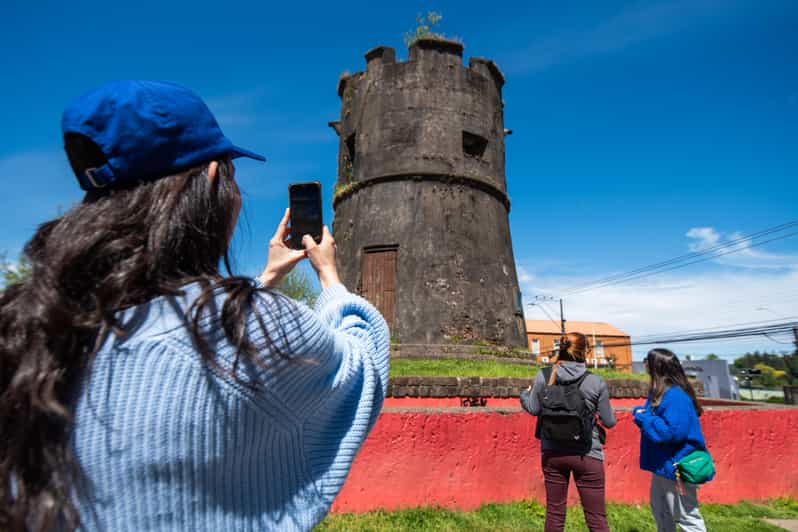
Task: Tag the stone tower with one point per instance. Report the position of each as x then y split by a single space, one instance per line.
421 206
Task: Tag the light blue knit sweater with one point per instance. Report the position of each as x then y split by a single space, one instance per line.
166 444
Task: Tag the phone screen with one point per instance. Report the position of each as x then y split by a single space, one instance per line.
305 203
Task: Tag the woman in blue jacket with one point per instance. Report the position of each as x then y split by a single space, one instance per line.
669 431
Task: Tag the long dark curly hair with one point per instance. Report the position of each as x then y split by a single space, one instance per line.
116 249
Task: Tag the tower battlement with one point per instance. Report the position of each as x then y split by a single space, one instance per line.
429 49
429 115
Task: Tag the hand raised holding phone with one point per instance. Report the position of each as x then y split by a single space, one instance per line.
309 233
322 257
282 258
306 237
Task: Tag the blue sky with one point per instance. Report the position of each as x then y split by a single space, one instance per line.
635 123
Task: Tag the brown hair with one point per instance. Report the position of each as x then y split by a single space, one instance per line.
666 371
574 347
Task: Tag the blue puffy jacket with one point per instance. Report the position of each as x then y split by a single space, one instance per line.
668 432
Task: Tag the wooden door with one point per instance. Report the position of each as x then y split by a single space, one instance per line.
378 279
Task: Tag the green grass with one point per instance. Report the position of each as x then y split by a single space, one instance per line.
743 517
458 368
481 368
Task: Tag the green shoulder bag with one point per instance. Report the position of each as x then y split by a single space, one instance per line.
695 468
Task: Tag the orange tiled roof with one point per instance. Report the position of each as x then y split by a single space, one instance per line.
600 328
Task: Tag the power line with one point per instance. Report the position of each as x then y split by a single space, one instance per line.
718 250
548 315
539 301
712 249
777 341
709 335
715 328
777 328
704 259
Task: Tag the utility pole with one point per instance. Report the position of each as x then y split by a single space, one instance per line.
595 355
551 299
541 299
791 370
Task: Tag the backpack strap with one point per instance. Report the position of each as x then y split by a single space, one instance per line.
546 371
582 378
578 383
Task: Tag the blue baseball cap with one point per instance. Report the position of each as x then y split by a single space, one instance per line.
146 130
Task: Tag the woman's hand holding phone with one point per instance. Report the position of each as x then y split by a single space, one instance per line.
282 258
322 257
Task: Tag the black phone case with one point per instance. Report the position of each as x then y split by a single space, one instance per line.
302 227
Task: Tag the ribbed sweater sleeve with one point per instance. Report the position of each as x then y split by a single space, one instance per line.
358 381
332 381
165 441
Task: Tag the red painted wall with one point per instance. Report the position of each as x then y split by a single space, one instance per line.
458 458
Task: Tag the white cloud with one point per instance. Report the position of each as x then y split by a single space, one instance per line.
523 275
639 22
667 304
761 286
740 251
705 237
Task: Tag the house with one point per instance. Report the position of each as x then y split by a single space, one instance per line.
713 374
610 345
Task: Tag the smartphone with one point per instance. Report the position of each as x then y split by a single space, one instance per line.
304 200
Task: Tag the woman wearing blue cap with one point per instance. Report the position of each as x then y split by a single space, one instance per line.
141 389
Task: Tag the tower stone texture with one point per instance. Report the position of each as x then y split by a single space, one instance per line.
421 205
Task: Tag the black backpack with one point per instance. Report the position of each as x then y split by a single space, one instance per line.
564 415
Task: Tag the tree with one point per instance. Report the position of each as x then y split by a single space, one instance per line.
770 377
783 368
749 360
13 273
711 356
297 285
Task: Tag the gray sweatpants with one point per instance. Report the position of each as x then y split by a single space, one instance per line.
671 508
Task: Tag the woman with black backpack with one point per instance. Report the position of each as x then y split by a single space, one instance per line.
566 398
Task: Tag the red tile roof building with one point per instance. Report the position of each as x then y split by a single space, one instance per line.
610 345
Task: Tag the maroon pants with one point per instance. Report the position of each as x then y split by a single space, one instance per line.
589 477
